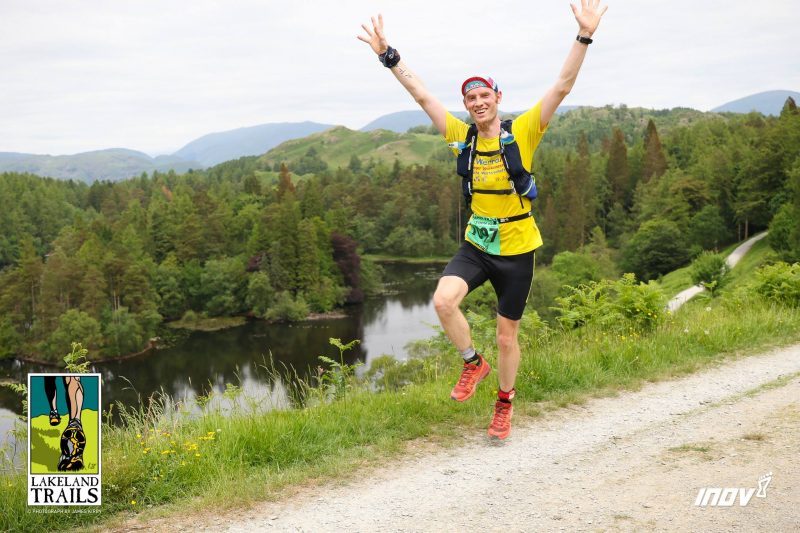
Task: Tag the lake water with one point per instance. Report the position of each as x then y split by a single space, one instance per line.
209 360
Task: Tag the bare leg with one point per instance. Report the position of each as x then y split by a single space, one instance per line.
447 299
74 396
73 439
508 348
50 391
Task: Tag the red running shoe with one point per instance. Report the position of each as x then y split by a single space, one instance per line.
471 375
501 421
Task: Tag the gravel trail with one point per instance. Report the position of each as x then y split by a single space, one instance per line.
627 463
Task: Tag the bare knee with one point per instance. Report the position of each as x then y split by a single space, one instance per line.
446 303
507 342
449 294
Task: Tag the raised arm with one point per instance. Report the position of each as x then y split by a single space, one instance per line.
429 103
588 19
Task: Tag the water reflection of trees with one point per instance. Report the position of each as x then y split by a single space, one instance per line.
206 360
414 285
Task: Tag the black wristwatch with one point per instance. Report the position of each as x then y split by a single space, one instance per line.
584 40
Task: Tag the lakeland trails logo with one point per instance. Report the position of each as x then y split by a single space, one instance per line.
64 439
726 497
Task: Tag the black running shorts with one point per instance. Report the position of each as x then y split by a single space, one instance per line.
510 275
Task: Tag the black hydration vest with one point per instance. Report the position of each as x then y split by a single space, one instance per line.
521 182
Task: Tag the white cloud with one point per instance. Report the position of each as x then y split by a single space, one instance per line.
153 75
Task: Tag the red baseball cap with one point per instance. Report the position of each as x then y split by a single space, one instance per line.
478 81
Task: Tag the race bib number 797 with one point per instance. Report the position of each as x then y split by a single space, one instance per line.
484 232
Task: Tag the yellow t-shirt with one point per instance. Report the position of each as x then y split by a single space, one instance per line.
516 237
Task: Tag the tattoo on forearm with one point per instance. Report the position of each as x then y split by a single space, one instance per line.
404 73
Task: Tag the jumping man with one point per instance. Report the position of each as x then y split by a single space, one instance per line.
494 160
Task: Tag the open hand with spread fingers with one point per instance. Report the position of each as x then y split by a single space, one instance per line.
589 16
375 37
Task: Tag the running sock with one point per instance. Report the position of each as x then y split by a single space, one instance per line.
504 396
471 356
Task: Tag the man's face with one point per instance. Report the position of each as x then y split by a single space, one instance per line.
481 103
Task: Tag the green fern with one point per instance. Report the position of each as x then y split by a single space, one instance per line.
73 361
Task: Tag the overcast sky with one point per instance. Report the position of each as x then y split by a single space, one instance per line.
154 75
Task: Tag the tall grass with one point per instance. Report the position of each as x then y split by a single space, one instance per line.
227 457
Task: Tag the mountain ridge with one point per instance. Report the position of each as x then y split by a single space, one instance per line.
766 103
216 147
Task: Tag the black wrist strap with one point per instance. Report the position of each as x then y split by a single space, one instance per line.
389 58
584 40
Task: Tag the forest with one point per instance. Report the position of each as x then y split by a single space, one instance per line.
282 235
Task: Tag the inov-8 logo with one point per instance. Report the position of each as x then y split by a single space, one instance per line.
726 497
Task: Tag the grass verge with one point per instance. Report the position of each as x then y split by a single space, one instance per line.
681 279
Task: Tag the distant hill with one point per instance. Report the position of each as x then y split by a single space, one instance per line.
768 103
113 164
402 121
336 145
120 163
254 140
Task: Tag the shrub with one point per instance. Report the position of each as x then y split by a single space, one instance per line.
707 228
325 296
781 231
387 373
123 335
482 301
574 268
10 339
780 283
371 277
74 326
709 269
410 241
656 248
259 293
613 305
287 308
544 289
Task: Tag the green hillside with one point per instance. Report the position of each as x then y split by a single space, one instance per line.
337 145
598 122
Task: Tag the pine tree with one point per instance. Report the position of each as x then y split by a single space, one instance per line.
31 268
308 261
160 231
576 207
285 185
55 288
251 185
189 243
93 291
284 246
789 107
550 228
655 162
444 214
355 164
311 204
617 172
